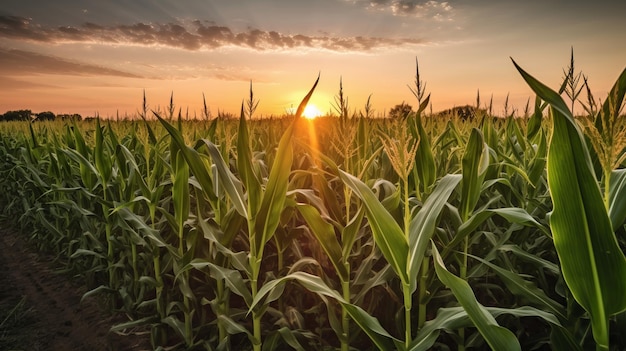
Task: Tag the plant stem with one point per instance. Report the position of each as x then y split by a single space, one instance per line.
406 290
254 289
421 318
345 318
463 275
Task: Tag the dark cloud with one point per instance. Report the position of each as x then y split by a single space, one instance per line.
19 63
437 10
197 35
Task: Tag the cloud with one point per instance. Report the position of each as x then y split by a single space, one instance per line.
436 10
18 84
20 63
194 36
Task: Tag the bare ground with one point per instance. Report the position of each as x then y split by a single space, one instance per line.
41 309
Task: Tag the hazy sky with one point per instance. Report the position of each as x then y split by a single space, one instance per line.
93 56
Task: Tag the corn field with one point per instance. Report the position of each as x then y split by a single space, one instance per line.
347 233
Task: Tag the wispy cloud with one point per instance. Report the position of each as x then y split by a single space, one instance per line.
21 63
431 9
195 35
19 84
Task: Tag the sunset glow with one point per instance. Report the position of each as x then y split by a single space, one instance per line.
93 57
311 112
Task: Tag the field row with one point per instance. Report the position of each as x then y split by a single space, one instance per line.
412 233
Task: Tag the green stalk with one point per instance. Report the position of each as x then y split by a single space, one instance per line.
254 289
188 326
463 275
109 239
222 308
408 302
133 249
345 318
406 288
421 318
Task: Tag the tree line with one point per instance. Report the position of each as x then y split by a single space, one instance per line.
28 115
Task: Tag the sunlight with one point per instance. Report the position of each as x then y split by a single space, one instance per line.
311 112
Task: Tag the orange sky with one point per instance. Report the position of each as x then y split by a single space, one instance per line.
99 57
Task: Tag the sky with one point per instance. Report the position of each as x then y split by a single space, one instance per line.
99 57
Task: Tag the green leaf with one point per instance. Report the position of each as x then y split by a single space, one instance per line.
233 278
613 104
534 123
387 233
451 318
268 217
424 159
350 231
180 190
249 176
233 327
103 162
325 234
511 214
422 226
592 263
497 337
227 178
475 162
526 289
525 255
370 325
617 198
192 157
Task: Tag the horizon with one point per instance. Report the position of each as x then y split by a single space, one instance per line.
99 58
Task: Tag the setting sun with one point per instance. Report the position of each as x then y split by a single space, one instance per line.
311 112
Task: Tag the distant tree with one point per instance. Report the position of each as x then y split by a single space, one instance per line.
19 115
45 116
400 110
73 117
466 112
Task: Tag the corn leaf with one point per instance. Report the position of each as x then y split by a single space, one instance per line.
592 263
192 157
617 198
451 318
613 104
268 217
422 226
497 337
180 190
229 182
387 233
369 324
424 159
249 176
475 162
102 160
325 234
526 289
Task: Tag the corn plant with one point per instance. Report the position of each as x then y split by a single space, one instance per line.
593 264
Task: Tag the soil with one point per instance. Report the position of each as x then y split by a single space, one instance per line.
41 309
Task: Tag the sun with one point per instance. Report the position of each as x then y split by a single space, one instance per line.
311 112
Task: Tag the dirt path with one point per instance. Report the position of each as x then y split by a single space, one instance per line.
41 309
